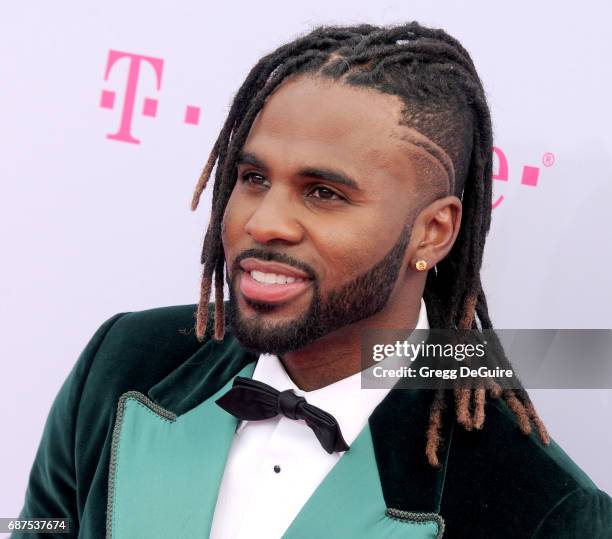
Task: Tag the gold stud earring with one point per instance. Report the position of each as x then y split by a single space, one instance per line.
420 265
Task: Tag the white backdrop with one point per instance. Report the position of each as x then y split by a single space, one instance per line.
92 225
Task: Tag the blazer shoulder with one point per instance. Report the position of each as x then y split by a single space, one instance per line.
581 513
550 460
143 347
153 325
511 482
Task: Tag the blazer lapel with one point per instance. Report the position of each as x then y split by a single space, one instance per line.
383 486
399 425
169 448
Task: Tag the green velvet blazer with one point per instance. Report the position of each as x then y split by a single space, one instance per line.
135 447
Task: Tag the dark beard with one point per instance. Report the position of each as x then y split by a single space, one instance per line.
358 299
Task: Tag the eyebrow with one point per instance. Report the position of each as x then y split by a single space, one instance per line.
328 175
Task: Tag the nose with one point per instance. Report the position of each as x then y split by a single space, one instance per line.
274 219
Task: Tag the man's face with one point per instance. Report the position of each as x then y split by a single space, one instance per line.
316 232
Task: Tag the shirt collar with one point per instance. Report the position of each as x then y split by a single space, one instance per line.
344 399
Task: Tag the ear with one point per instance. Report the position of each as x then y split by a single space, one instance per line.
435 230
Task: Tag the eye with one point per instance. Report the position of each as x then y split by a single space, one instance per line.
252 178
257 181
325 193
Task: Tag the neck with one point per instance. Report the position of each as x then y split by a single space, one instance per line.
337 355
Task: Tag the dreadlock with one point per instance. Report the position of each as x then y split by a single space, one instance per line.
443 99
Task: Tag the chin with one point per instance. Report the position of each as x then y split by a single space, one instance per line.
271 313
265 333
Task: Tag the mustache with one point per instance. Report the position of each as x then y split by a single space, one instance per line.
271 256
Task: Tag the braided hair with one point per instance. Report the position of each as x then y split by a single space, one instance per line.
444 100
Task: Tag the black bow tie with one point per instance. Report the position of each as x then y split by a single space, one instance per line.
252 400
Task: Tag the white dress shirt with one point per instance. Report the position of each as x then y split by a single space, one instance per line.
275 465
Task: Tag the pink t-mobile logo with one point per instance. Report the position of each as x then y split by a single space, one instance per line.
529 176
149 106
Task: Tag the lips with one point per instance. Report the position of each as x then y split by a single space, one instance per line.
252 264
271 292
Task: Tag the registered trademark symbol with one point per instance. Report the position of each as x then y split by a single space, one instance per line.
548 159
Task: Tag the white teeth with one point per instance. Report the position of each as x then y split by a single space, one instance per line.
273 278
258 276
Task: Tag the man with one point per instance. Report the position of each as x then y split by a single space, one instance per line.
352 162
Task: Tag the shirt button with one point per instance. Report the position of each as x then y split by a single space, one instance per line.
277 468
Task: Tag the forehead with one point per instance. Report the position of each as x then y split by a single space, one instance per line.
335 118
312 121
